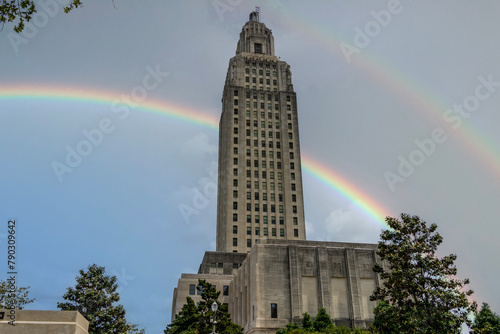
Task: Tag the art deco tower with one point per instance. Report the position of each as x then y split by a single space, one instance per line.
260 180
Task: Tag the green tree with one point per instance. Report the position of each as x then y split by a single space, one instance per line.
12 297
94 296
307 322
322 320
420 289
20 11
194 319
486 321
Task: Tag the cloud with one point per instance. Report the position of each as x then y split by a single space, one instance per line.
199 146
345 225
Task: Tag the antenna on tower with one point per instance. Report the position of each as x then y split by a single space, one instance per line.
254 16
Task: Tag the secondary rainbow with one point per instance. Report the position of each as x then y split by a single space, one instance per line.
311 166
415 96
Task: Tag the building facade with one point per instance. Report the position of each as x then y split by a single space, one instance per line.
269 275
260 180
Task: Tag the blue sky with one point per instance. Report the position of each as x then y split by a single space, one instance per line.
119 207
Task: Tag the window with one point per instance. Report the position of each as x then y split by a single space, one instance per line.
289 117
249 218
282 232
256 184
235 130
264 187
248 163
235 193
257 219
199 289
256 196
282 221
256 173
294 209
249 242
281 208
249 207
263 153
235 172
255 123
280 176
290 136
256 163
247 70
293 186
278 144
235 121
235 102
249 230
280 196
279 164
296 232
249 184
295 221
291 155
272 188
292 165
273 207
294 198
235 242
273 221
192 289
255 143
264 207
248 152
290 127
235 161
257 47
264 219
235 205
278 155
273 232
248 142
257 207
290 146
278 136
235 229
264 175
292 176
225 290
235 140
235 182
265 231
235 217
257 231
276 107
256 153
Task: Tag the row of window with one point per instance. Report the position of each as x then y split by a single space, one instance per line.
261 72
261 81
266 233
262 124
261 96
256 165
264 154
264 220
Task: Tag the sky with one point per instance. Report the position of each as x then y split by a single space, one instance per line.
398 105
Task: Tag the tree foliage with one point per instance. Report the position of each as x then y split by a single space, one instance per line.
21 11
486 321
12 297
194 319
95 297
420 293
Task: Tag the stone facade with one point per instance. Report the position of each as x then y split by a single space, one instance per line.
270 274
260 180
44 322
302 276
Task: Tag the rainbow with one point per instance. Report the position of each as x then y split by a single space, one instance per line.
397 83
316 169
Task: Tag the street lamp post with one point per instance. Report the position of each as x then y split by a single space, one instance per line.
214 311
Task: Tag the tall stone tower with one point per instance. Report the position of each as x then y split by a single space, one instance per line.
260 181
